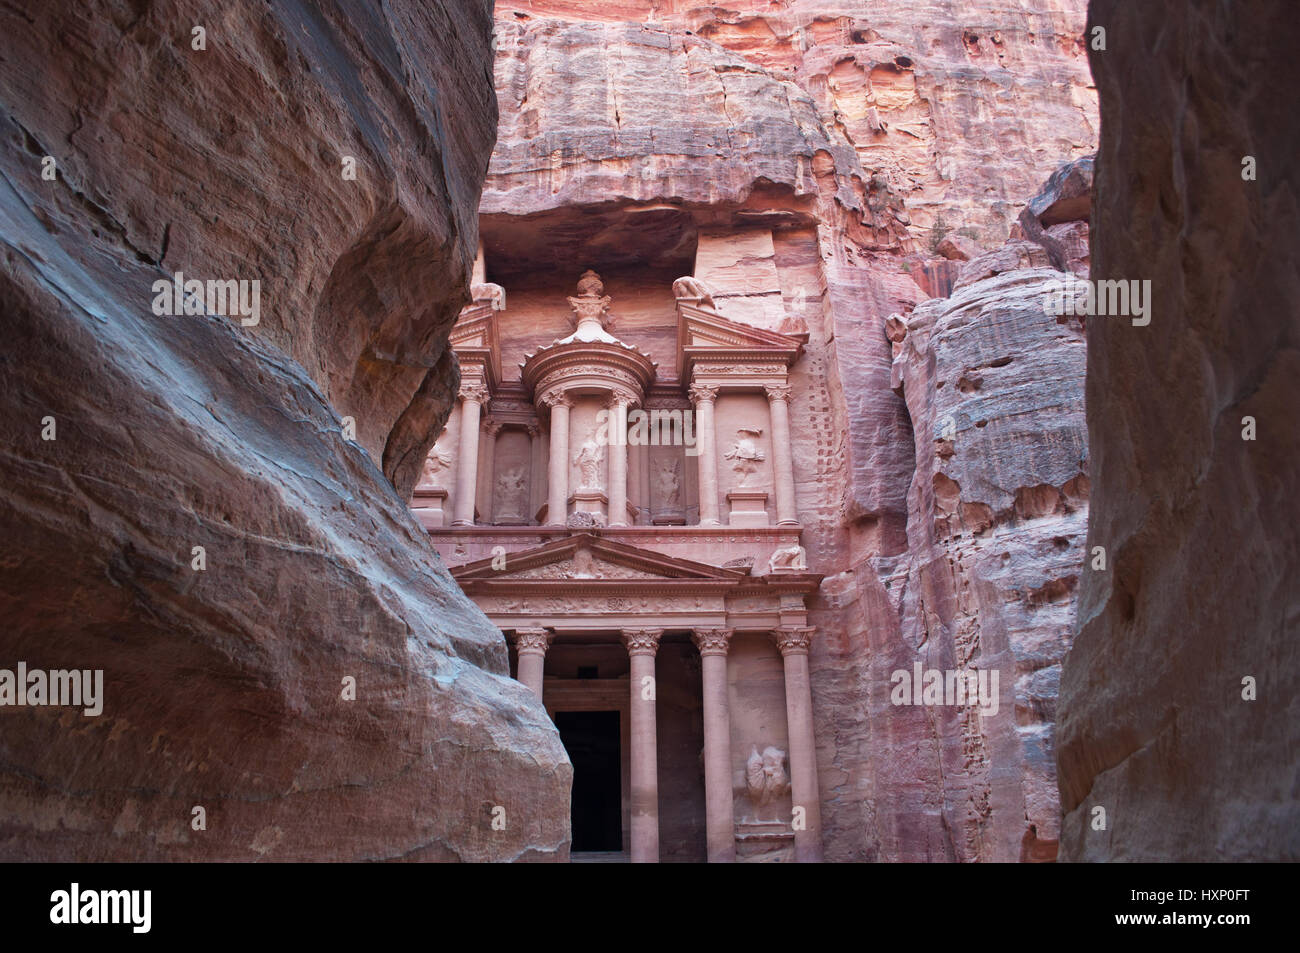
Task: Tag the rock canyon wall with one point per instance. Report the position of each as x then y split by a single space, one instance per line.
825 171
1192 425
213 140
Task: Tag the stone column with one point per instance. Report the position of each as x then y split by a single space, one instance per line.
472 399
720 818
531 644
642 644
793 643
490 430
778 405
643 467
534 470
704 395
617 450
557 508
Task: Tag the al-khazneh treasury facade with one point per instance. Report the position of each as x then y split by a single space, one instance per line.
624 510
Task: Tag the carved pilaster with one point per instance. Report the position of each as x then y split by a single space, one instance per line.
704 396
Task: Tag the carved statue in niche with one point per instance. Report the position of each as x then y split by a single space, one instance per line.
765 778
589 460
669 483
745 454
512 491
437 461
790 557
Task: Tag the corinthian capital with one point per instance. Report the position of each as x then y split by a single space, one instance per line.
475 392
794 640
534 641
557 399
777 392
707 392
712 641
642 641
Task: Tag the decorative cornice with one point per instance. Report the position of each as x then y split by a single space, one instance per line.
794 640
712 641
642 641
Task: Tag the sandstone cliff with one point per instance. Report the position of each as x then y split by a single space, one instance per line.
1199 524
818 160
224 684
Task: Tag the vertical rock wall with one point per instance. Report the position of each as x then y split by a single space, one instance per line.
225 680
1199 524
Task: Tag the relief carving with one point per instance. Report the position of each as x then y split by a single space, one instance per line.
766 780
789 557
691 288
512 492
590 458
668 481
437 461
745 455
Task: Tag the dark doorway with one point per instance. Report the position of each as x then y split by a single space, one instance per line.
591 738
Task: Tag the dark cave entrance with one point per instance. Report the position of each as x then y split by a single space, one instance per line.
592 740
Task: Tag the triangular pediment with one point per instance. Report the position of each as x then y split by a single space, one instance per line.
704 334
588 558
703 327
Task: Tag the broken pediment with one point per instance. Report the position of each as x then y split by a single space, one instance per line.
705 335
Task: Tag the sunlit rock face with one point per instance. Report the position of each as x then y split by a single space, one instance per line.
1162 755
827 171
312 679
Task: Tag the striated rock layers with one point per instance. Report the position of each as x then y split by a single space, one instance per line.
826 170
131 439
1199 522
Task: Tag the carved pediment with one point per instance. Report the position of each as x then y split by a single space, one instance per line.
588 558
704 334
474 339
584 566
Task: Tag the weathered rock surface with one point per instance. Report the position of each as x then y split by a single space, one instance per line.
1199 525
997 512
962 110
223 688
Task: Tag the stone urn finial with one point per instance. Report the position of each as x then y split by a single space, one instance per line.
590 285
